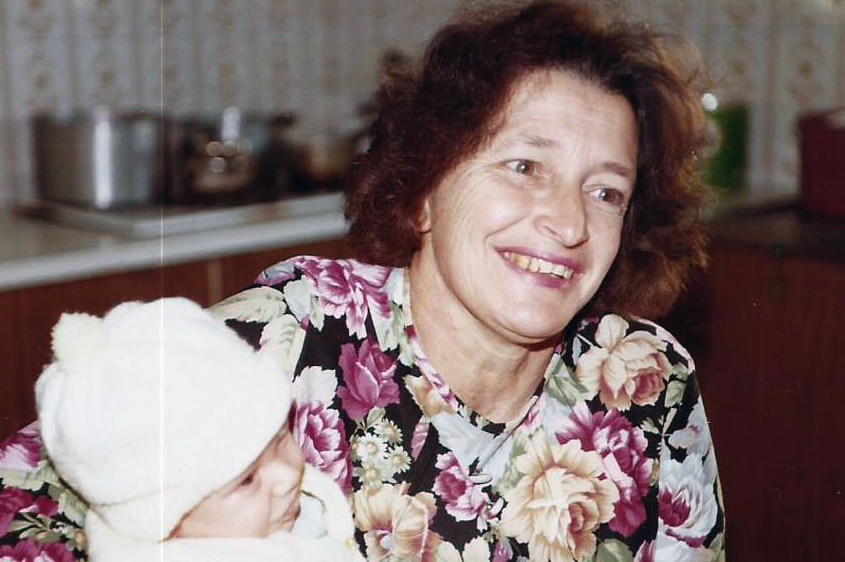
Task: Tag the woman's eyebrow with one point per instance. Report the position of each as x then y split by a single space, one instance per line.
616 168
538 141
611 166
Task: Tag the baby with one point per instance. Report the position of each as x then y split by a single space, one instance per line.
174 431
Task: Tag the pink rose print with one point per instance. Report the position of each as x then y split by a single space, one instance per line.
686 501
622 448
44 506
464 500
13 501
419 437
31 551
320 434
21 451
502 552
368 375
625 368
349 288
277 273
645 553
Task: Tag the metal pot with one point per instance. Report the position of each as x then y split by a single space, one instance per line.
225 158
100 159
321 158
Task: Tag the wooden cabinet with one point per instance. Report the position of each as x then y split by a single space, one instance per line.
767 330
29 314
12 395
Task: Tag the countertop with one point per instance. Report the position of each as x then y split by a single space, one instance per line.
787 232
35 251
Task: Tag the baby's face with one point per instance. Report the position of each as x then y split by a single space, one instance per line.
261 501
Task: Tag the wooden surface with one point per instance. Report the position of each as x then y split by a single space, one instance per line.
28 315
12 395
33 312
767 331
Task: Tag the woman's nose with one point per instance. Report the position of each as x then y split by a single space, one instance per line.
563 217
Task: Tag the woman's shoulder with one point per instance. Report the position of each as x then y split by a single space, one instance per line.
308 290
623 363
340 274
610 329
40 517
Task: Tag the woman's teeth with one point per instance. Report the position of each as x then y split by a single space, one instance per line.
537 265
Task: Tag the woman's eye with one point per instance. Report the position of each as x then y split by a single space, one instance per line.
611 198
522 167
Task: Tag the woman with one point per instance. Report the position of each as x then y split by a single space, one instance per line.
472 381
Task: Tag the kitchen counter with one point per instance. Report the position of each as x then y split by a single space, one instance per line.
36 251
784 233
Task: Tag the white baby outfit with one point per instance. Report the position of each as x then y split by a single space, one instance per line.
148 410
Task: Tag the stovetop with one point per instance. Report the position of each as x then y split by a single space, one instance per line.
169 220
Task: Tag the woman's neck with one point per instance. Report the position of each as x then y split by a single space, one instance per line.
493 376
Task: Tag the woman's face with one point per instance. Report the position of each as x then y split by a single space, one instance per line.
521 234
261 501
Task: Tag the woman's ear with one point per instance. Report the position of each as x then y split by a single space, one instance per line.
424 220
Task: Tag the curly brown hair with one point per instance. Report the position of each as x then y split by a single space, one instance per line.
433 116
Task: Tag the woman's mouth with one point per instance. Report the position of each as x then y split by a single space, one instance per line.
533 264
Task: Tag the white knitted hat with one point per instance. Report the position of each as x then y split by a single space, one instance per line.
151 408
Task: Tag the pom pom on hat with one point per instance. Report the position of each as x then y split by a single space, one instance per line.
151 408
79 341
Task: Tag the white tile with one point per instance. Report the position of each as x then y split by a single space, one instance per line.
222 59
104 17
46 18
806 56
5 75
180 84
105 71
689 18
38 57
320 58
147 78
40 76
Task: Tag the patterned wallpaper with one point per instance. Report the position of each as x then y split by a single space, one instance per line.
320 59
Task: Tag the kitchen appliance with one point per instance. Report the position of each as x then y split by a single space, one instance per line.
320 158
227 158
726 167
822 174
102 159
150 222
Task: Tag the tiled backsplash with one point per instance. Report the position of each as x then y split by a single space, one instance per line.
320 59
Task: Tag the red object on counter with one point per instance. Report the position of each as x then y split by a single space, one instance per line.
822 152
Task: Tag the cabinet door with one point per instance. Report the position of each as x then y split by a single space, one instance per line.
237 272
12 395
773 380
36 310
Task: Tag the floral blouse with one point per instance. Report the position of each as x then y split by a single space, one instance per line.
611 460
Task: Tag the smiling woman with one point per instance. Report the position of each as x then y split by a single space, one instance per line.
481 380
521 234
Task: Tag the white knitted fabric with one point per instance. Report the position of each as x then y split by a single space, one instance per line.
152 407
328 538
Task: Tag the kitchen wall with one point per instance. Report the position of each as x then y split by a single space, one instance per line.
320 59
